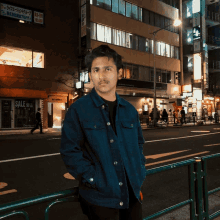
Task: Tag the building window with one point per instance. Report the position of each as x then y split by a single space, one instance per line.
108 35
157 20
128 40
128 9
147 47
151 18
93 31
123 42
140 14
152 74
158 75
134 42
164 76
118 37
122 7
127 71
151 46
163 51
146 16
100 32
114 36
176 55
115 6
134 12
142 44
108 5
168 77
158 48
167 50
20 57
172 52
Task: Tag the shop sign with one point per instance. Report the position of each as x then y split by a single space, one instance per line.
23 104
190 105
16 12
38 17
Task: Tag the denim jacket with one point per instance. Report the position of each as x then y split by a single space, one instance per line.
97 157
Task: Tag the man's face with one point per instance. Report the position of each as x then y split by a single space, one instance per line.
104 76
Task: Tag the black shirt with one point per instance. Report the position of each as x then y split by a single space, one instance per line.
112 112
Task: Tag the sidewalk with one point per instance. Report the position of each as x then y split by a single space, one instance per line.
58 130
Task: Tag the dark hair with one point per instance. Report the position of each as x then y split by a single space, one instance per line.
38 109
103 51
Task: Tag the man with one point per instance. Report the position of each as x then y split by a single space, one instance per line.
183 116
38 122
102 144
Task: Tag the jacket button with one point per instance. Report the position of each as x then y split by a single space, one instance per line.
121 203
132 125
120 184
115 163
103 107
91 179
108 123
111 141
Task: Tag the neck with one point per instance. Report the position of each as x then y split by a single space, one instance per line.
108 97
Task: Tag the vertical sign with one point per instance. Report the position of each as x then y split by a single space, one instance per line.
83 18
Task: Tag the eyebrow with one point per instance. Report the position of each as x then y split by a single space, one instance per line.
103 67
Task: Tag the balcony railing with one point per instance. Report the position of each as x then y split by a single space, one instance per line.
212 16
214 64
213 40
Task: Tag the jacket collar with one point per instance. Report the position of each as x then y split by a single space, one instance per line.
99 101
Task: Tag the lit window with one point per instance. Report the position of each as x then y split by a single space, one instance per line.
93 31
100 33
123 42
158 48
167 50
162 45
108 35
140 14
38 60
128 40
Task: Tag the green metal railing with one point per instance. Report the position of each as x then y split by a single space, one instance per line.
198 193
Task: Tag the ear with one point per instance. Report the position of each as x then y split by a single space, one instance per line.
120 73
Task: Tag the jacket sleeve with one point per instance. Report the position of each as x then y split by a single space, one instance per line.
70 149
141 141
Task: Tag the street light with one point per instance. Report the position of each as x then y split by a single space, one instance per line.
176 23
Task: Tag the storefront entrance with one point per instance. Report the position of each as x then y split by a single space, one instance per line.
6 114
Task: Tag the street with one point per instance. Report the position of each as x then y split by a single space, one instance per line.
31 165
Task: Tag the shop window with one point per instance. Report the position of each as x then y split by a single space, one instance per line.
20 57
108 34
162 47
134 12
167 50
24 113
115 6
38 60
128 9
122 7
100 33
93 31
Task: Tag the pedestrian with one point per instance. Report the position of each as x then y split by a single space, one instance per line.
38 122
174 115
102 144
165 115
183 116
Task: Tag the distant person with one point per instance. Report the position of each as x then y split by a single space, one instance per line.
165 115
183 114
38 122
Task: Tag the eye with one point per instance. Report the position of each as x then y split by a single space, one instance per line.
108 69
95 70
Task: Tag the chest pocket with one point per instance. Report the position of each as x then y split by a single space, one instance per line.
93 125
129 124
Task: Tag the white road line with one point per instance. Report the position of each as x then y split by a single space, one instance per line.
168 139
26 158
211 145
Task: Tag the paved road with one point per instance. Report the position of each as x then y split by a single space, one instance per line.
30 165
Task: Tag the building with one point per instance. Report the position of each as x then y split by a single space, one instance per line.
201 46
38 56
126 26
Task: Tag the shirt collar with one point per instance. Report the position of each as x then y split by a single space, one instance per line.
99 101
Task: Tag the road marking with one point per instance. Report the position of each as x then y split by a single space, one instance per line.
156 156
3 185
211 145
201 131
26 158
168 139
8 191
176 158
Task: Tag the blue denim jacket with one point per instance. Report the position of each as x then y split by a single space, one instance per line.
95 156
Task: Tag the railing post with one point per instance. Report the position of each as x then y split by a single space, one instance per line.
205 189
198 188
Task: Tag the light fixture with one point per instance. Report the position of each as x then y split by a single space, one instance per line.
21 21
177 22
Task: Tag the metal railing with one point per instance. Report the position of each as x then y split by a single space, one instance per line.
198 193
212 16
